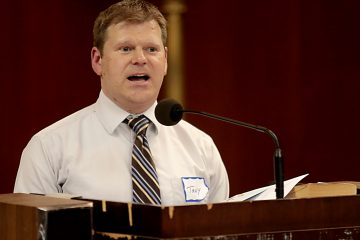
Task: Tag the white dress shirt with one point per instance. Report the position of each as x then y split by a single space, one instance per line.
88 153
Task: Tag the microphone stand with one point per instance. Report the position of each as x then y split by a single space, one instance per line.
278 159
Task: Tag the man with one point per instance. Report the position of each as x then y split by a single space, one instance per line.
90 153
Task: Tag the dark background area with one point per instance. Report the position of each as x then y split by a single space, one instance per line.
291 66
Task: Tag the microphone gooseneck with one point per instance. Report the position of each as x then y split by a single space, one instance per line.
169 112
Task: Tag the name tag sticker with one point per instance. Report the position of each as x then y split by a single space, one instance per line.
195 188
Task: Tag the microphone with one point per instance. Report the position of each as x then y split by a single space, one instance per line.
169 112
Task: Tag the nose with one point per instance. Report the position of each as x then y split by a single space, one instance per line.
138 57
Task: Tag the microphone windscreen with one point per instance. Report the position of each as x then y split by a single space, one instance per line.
168 112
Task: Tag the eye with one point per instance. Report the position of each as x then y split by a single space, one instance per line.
152 49
125 49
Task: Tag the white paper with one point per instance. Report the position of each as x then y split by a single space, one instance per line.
268 192
195 189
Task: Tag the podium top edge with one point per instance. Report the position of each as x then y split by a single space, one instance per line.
42 202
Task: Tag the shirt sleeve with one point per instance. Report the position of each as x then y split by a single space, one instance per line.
35 173
219 181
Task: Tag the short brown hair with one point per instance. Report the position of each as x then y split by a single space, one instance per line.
137 11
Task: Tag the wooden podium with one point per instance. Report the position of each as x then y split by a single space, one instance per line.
34 217
308 218
22 215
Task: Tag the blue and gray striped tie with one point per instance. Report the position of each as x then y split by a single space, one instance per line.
144 178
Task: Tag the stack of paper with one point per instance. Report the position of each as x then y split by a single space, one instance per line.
268 192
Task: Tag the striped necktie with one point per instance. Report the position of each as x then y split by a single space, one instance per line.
144 178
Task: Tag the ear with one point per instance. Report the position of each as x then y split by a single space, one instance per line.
96 60
166 62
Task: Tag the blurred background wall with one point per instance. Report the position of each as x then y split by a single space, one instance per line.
292 66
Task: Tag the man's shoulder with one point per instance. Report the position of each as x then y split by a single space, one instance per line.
67 123
191 129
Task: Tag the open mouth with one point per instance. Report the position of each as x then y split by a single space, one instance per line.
140 77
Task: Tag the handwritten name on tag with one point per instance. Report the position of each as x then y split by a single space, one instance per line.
195 188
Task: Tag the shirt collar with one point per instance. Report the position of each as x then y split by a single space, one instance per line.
111 115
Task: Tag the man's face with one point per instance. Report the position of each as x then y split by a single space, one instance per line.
133 64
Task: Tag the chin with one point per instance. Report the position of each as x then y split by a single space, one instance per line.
142 103
142 97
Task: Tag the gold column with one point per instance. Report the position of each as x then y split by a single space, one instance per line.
174 82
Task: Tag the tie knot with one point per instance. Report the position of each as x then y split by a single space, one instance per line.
139 124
